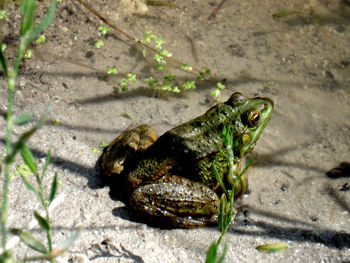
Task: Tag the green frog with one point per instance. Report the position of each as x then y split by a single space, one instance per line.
170 179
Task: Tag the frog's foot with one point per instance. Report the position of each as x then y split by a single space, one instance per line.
185 204
124 146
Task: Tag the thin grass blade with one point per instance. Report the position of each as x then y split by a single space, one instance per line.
42 221
53 190
47 161
23 118
28 239
28 159
68 242
247 166
28 185
27 10
3 61
222 212
44 22
218 178
212 253
25 136
223 255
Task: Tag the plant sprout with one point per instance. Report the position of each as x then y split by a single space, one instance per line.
131 77
99 43
216 92
3 14
112 70
188 85
103 29
28 54
40 39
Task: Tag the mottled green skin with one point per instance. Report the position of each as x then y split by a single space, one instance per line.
172 181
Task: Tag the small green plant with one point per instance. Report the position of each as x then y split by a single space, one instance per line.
112 70
3 14
99 43
28 54
103 29
160 54
3 47
95 150
216 92
226 212
103 145
40 39
28 33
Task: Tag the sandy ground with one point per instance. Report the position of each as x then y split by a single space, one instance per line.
300 61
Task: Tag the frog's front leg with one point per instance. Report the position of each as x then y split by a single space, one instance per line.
176 202
124 148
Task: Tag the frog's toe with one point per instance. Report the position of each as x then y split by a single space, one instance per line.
124 146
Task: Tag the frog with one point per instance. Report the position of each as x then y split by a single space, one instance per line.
170 180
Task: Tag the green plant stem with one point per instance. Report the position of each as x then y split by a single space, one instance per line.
9 126
46 207
11 83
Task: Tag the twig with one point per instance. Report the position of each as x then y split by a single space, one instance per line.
109 23
217 9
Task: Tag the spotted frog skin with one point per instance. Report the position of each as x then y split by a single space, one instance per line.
170 179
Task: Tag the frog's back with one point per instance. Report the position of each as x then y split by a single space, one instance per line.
199 137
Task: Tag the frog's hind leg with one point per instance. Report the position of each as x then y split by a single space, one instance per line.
124 147
184 204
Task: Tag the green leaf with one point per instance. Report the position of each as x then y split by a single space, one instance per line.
95 150
47 161
222 213
218 178
23 118
23 169
28 185
40 39
3 61
42 221
53 190
272 248
28 159
28 239
104 144
44 22
27 11
220 85
3 14
223 255
112 70
212 253
25 136
67 243
99 43
131 77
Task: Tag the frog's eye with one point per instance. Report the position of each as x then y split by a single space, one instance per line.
252 119
236 99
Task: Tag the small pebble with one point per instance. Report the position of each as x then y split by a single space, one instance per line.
345 187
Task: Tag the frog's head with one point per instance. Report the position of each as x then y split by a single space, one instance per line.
253 116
